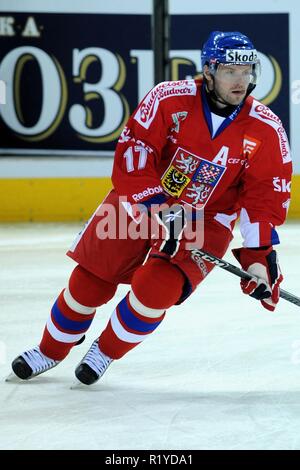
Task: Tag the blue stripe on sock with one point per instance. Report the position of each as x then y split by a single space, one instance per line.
132 322
274 237
67 324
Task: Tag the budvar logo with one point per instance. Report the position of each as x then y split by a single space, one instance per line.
238 55
264 114
284 144
147 110
147 192
159 93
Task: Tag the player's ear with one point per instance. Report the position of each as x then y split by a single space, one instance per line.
207 74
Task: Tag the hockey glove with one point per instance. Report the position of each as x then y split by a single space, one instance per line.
171 223
263 265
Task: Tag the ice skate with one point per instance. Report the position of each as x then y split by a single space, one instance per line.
32 363
93 365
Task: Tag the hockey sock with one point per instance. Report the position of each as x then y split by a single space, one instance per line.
155 286
73 312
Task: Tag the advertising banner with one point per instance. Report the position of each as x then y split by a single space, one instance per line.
72 79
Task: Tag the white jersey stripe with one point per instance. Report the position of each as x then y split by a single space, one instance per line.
249 231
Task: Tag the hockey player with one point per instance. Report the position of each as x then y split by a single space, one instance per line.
205 144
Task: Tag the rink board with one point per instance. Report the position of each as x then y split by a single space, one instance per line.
70 199
51 199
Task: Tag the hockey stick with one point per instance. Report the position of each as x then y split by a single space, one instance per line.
239 272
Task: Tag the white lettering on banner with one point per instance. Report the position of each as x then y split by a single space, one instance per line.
106 89
56 103
148 108
31 29
281 185
53 80
264 114
147 192
55 92
6 26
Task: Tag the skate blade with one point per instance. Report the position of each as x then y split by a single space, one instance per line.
77 385
13 378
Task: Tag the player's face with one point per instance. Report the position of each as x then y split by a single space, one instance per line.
231 82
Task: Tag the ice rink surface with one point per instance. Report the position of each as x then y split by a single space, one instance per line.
221 372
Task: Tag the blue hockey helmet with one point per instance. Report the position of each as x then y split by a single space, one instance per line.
232 48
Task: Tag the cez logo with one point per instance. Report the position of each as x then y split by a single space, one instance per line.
281 185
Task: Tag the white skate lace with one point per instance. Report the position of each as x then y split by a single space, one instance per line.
96 359
38 361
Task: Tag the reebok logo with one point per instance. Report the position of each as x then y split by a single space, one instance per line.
263 113
171 217
147 192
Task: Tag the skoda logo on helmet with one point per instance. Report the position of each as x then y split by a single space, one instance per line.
241 56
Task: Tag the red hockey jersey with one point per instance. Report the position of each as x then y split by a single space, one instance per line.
168 148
